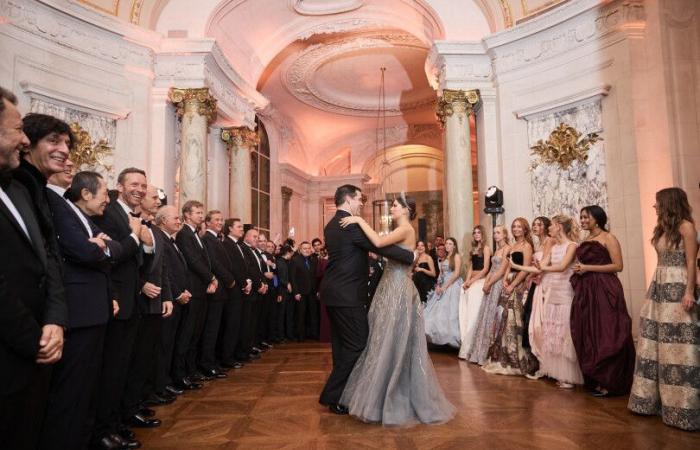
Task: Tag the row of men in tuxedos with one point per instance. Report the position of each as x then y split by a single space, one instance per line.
88 265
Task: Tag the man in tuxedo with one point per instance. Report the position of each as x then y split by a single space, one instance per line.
153 302
120 224
266 301
237 312
256 265
31 320
168 224
433 252
223 270
344 291
86 253
376 270
302 275
202 282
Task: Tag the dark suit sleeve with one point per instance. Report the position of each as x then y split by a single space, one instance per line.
394 252
166 293
293 269
18 329
73 241
177 286
220 270
109 226
196 260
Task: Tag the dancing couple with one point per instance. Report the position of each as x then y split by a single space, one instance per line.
382 372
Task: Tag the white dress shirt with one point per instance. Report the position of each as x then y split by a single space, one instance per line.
11 206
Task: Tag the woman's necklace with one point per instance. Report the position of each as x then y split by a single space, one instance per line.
593 236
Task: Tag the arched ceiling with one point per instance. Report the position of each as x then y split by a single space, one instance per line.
500 14
318 61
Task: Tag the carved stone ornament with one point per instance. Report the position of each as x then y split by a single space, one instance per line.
85 153
455 101
564 146
198 99
239 137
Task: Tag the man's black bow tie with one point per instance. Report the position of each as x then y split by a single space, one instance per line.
146 222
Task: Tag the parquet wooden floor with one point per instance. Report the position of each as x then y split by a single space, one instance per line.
272 404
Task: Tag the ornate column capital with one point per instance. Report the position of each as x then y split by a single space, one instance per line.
455 101
197 100
286 193
239 137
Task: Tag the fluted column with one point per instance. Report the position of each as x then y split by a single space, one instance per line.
454 108
286 197
240 141
196 109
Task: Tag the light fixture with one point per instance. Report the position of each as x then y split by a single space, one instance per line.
380 207
493 201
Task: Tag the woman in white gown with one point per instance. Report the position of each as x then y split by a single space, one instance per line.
472 289
394 381
442 308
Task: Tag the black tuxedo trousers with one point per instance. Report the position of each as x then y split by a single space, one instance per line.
349 331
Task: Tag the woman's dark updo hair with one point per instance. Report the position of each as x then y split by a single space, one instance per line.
598 214
410 204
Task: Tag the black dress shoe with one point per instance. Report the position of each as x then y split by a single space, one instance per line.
157 400
254 356
243 359
107 443
124 442
255 350
125 433
187 385
199 377
173 390
213 373
139 421
337 409
232 365
222 369
265 345
146 412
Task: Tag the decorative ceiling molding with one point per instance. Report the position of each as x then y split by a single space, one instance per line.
563 103
324 7
302 80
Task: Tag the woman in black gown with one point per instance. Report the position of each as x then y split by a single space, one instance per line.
423 272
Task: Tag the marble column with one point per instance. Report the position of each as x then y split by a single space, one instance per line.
286 197
453 111
196 109
240 142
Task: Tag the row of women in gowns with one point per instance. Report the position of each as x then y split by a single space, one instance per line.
515 314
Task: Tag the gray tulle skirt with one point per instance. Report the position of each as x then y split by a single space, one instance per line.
394 381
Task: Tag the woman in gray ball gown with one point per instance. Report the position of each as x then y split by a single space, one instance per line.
394 381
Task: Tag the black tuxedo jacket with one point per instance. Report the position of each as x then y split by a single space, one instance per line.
303 279
125 268
176 265
255 270
25 305
221 266
86 268
347 272
239 265
155 270
198 264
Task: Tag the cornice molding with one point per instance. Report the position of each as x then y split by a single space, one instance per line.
79 31
89 106
563 103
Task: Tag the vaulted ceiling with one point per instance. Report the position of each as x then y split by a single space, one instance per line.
318 62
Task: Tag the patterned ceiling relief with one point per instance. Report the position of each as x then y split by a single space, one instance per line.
342 76
324 7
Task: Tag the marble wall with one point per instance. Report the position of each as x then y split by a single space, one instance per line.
566 191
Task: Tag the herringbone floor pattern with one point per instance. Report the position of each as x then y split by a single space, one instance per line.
272 404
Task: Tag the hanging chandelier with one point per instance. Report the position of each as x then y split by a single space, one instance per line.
380 207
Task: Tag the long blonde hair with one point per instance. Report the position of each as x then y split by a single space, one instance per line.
506 236
570 226
478 247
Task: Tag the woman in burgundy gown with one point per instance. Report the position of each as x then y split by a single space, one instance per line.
601 328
